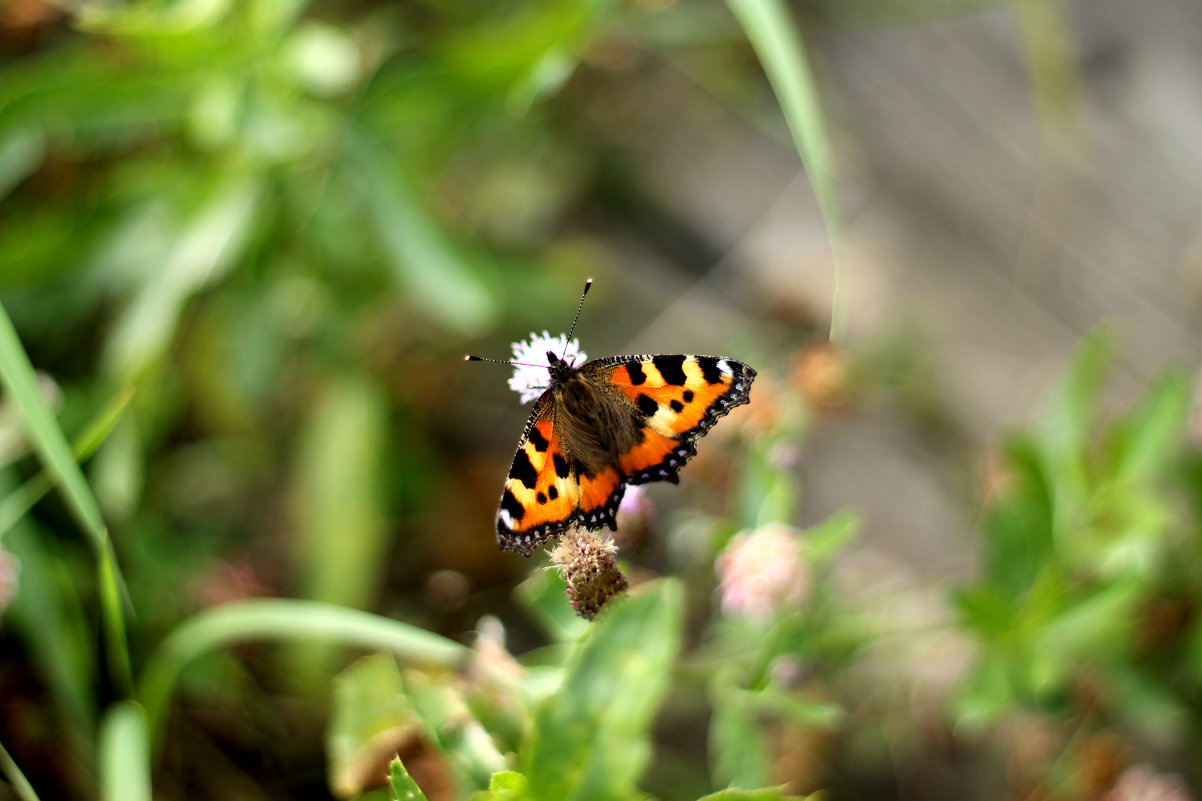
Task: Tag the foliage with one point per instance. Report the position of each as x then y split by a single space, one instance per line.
242 242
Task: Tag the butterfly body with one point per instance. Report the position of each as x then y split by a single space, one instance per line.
611 422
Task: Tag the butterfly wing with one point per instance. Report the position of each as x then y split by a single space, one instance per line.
546 492
678 399
672 401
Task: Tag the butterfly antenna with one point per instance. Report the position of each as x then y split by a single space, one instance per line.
587 286
470 358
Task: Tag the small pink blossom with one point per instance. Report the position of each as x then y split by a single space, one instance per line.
762 572
533 375
636 515
1145 783
585 560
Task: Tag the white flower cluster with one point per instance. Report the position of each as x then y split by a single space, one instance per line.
532 376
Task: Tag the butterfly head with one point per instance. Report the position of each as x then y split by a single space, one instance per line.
561 369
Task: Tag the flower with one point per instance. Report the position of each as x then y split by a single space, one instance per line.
1144 783
635 518
822 374
531 371
585 560
762 572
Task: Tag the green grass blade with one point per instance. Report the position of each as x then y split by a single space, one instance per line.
102 424
781 50
22 789
47 438
342 539
59 639
424 259
17 503
283 619
124 754
1054 75
113 598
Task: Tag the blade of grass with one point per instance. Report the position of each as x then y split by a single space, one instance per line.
17 374
438 274
1053 67
341 540
59 638
44 433
113 600
781 51
124 754
20 501
282 619
16 779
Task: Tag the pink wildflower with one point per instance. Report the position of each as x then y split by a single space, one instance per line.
762 572
1144 783
585 559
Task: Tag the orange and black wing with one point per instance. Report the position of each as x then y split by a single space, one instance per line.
546 493
678 399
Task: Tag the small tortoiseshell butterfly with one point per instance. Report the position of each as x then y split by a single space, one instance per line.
610 422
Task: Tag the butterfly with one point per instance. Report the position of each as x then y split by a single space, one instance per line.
609 423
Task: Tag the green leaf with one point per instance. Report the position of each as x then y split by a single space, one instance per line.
824 540
342 539
766 794
47 438
1053 67
21 151
369 715
986 696
1018 526
21 500
1151 435
527 53
151 19
799 710
21 787
508 785
124 758
1069 417
737 747
986 610
403 787
450 725
203 248
781 51
1094 625
288 620
542 595
60 639
590 738
422 258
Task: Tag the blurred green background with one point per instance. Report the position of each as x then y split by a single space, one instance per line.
280 226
